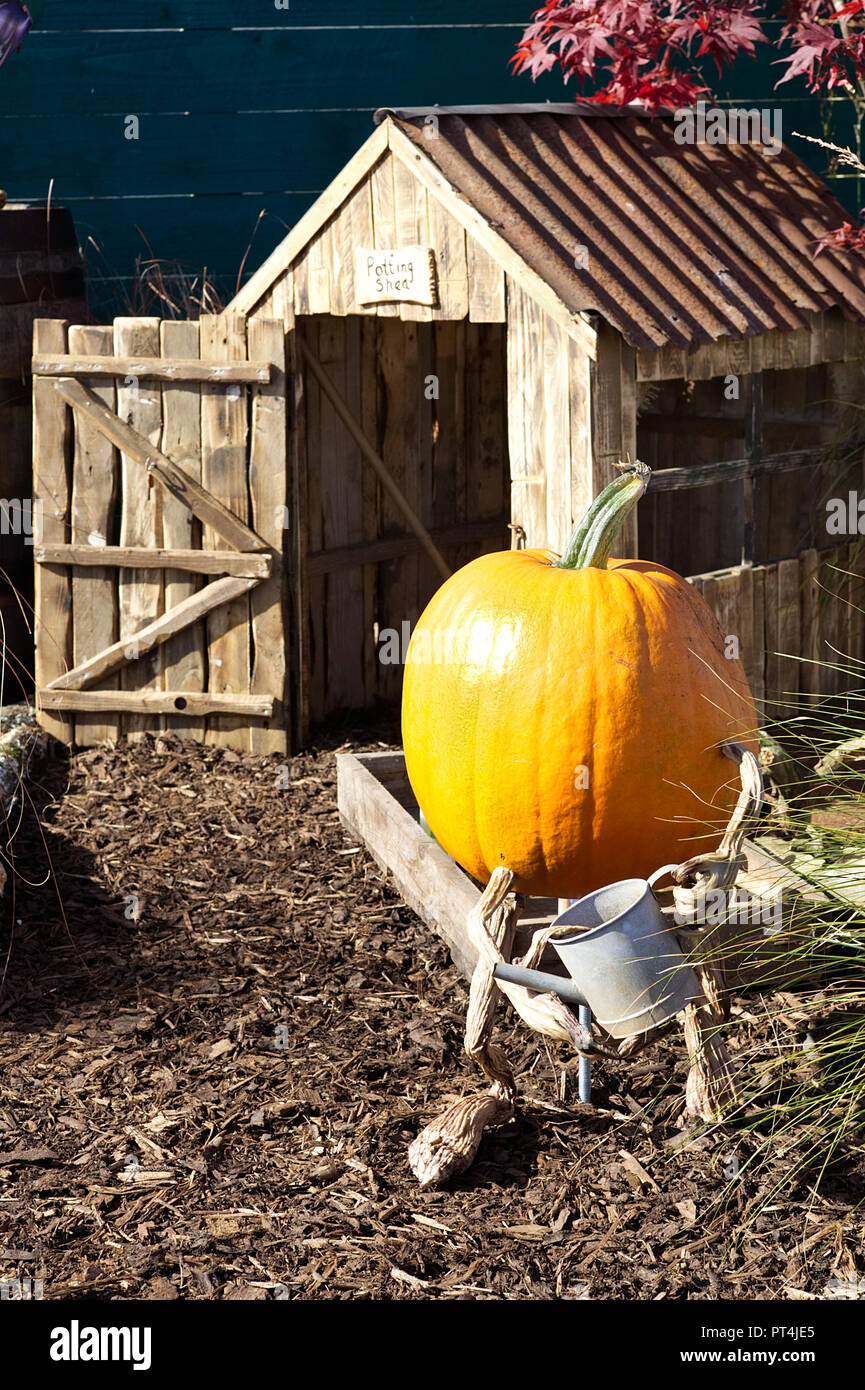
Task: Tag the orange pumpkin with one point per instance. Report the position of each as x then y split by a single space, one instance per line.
564 717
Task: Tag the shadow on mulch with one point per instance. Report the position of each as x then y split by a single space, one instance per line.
212 1096
54 887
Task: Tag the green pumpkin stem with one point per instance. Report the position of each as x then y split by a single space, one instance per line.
595 535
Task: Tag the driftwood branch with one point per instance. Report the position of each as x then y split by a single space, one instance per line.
18 743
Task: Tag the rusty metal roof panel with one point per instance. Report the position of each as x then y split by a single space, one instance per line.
671 243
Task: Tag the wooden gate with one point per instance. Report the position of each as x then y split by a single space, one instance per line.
160 494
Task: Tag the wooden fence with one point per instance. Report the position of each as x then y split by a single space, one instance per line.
800 625
160 487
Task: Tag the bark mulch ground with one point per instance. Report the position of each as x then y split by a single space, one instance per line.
220 1029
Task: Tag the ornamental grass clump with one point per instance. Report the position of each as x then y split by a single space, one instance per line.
799 1040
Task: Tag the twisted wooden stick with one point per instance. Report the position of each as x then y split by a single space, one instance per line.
711 1085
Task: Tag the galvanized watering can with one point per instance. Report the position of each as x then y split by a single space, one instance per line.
626 965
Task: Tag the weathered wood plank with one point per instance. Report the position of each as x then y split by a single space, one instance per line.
268 486
223 472
53 590
177 368
731 604
486 284
146 639
176 703
809 589
357 230
556 418
140 592
316 404
399 360
183 658
318 274
582 472
338 252
855 612
412 226
370 502
297 548
726 470
788 635
206 507
94 489
448 432
428 479
341 464
384 220
771 351
281 301
448 237
487 470
257 566
756 671
427 878
614 420
525 347
301 286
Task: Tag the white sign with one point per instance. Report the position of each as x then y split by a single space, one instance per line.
406 274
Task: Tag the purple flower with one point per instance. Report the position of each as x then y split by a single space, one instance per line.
15 20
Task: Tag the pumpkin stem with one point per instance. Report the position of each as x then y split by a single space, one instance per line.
595 535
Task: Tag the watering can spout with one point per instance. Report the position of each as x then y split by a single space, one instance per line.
565 988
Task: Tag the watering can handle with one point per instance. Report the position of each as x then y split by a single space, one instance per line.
659 873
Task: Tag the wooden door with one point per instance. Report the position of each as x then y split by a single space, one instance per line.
160 492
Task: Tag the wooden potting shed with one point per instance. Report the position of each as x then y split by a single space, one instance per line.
483 313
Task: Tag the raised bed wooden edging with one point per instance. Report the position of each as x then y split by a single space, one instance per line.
377 806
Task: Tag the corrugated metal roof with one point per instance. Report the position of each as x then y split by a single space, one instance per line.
685 243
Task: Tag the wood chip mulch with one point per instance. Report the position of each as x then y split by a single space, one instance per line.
220 1029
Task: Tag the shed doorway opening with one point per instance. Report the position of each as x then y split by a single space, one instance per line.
430 398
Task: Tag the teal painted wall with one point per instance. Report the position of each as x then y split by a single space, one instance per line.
246 110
